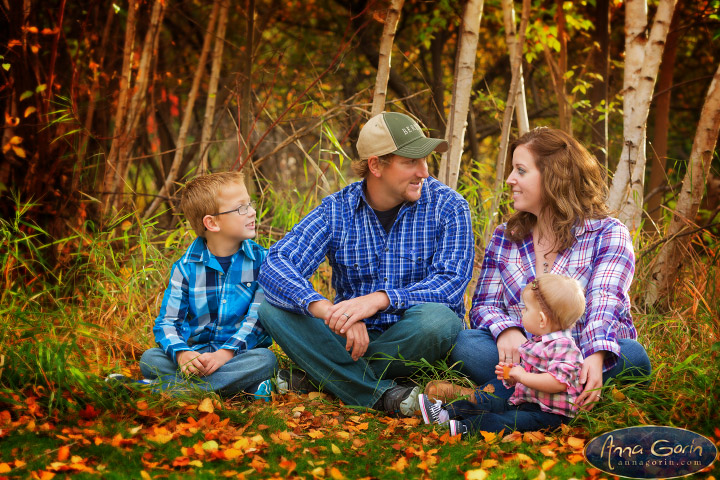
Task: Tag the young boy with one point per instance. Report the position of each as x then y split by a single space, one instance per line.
208 325
547 380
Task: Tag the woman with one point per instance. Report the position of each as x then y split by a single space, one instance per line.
561 225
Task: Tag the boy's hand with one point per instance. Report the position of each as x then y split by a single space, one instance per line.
189 362
211 361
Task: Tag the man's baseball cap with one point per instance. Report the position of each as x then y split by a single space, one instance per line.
391 132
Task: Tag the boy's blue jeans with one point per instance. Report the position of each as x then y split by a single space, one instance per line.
478 352
242 373
424 331
494 414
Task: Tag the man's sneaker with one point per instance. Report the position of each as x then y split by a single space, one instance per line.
264 391
294 380
457 428
400 400
120 378
432 412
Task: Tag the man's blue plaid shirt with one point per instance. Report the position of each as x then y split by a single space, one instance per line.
426 258
203 306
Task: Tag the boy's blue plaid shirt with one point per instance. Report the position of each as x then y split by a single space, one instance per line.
204 306
427 256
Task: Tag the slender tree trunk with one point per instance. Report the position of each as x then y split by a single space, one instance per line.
122 106
137 103
512 43
386 45
507 121
208 119
671 256
187 115
642 62
464 68
599 90
658 154
564 105
247 116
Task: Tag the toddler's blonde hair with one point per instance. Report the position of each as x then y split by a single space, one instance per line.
561 298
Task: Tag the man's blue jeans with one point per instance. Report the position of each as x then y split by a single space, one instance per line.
494 414
424 331
478 352
242 373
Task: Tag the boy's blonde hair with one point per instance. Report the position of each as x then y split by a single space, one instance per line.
200 197
561 298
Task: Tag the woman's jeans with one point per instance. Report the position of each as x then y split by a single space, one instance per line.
478 352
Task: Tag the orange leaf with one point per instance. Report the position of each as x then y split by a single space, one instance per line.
489 436
19 151
489 463
206 406
63 453
14 43
575 458
548 451
31 29
548 464
400 465
336 474
576 443
4 468
16 140
533 437
181 462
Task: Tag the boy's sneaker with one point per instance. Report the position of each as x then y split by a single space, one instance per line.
457 428
264 391
292 381
432 412
120 378
400 400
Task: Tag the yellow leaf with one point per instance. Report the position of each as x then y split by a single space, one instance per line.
343 434
533 437
362 426
16 140
196 463
232 453
541 476
335 474
206 406
145 475
617 395
477 474
547 451
335 449
488 436
318 472
314 395
29 111
575 458
576 443
315 434
285 436
548 464
210 446
522 458
4 468
489 463
19 151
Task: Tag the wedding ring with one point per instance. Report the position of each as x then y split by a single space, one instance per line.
345 314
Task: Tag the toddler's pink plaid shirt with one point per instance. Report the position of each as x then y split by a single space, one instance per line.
556 354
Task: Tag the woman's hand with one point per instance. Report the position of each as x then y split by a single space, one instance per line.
591 377
508 342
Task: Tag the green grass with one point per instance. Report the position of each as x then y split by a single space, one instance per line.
65 324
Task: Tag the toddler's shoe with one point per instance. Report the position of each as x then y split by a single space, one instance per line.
457 428
432 412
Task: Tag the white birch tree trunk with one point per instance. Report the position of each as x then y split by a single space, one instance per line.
671 255
507 121
464 68
642 62
513 45
187 114
385 55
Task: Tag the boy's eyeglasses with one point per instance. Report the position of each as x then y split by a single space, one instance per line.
241 209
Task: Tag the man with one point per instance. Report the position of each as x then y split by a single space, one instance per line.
400 245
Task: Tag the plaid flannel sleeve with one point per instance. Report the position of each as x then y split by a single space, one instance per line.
173 313
292 260
488 303
607 291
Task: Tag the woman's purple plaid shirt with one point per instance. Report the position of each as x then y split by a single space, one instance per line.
601 259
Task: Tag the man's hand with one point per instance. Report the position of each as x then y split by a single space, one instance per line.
213 360
341 316
357 340
591 376
189 362
508 342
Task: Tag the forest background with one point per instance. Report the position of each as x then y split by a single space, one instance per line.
110 107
